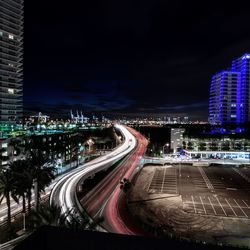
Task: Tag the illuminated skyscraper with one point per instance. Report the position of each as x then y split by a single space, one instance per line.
11 60
242 65
223 98
229 94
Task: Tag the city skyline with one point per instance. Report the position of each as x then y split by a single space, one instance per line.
110 125
149 58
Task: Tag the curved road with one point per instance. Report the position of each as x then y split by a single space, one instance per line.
64 192
103 200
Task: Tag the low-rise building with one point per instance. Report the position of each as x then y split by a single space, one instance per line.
176 136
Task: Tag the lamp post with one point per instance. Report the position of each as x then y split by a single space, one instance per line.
78 154
36 193
24 224
167 144
90 143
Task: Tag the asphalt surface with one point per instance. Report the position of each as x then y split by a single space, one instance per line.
103 200
214 191
64 192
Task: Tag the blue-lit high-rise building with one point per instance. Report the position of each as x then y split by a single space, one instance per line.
242 65
229 101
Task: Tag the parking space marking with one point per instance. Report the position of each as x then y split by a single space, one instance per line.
204 176
150 182
163 179
245 204
230 207
241 174
240 208
221 206
193 203
212 205
203 205
179 168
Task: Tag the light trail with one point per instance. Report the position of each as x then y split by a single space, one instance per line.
63 193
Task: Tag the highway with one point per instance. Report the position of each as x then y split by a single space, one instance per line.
103 201
64 191
124 148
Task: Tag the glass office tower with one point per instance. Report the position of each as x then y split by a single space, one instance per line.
223 101
242 65
229 101
11 60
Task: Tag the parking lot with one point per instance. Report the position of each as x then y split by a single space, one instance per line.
164 181
215 191
217 206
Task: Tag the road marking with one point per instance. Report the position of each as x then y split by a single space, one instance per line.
221 206
241 174
203 206
175 178
151 181
240 208
205 178
193 204
245 204
230 207
212 205
179 169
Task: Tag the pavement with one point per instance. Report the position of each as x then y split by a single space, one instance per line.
103 200
210 203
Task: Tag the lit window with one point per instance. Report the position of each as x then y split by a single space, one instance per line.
11 37
5 153
11 91
233 116
1 33
233 105
246 57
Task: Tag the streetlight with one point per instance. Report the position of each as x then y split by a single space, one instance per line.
90 142
167 144
24 226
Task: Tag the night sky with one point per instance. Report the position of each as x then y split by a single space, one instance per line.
129 57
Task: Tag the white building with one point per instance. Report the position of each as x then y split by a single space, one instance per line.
176 138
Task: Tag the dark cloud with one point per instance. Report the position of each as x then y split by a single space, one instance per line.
129 56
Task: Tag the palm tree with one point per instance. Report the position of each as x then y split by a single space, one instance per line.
22 178
42 175
52 215
190 145
7 190
47 215
16 144
29 183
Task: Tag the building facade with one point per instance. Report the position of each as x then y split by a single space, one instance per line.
223 102
242 65
176 138
229 101
11 60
